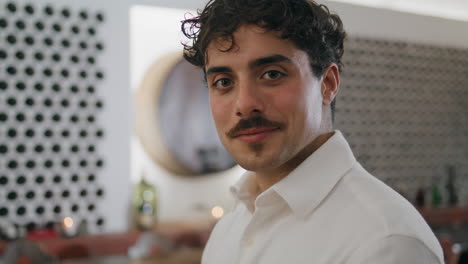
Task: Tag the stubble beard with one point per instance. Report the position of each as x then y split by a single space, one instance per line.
256 148
256 158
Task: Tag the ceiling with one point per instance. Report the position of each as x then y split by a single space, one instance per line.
451 9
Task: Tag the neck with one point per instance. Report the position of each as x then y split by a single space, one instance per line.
265 179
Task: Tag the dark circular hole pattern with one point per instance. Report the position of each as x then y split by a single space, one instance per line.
48 41
3 54
11 70
11 39
91 31
3 211
20 55
83 15
100 222
75 208
11 7
39 117
56 148
21 180
39 53
12 195
3 23
66 13
3 149
57 179
48 11
29 9
20 117
39 56
21 210
100 17
57 209
11 133
74 178
39 179
39 25
30 164
56 57
100 192
65 194
20 86
39 148
3 85
39 87
3 117
40 210
3 180
20 24
30 195
12 164
20 148
48 194
91 178
65 163
29 40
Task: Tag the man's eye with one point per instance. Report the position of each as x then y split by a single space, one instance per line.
222 83
273 75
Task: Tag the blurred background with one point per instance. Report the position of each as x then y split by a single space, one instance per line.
107 149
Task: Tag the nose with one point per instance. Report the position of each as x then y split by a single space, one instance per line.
249 100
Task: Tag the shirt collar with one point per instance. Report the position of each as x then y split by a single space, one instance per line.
307 185
246 190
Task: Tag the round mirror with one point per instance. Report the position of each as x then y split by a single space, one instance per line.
174 122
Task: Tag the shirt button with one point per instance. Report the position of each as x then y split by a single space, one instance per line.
249 241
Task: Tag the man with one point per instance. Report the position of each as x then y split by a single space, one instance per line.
272 69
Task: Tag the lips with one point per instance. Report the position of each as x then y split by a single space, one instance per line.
255 135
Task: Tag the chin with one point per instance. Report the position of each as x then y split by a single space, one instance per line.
257 163
256 157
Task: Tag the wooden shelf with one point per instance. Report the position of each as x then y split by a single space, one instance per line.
192 235
445 216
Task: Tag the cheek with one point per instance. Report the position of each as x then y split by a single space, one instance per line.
219 108
290 101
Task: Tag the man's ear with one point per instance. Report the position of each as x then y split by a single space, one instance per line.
330 83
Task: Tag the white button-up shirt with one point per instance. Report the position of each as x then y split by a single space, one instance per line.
329 210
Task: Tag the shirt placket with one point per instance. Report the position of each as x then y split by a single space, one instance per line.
252 243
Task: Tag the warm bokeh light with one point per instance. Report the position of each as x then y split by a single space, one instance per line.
68 222
217 212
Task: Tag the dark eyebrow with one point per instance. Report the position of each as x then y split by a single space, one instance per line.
268 60
255 63
221 69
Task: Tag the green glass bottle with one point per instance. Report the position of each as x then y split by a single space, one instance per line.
436 195
145 205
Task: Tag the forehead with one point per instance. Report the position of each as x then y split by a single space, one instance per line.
250 42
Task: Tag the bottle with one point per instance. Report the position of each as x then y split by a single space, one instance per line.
420 198
451 191
436 194
145 205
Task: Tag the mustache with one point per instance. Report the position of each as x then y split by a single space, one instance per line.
256 121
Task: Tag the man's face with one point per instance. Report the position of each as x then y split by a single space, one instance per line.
266 102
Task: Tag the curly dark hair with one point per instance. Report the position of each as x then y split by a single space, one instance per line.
307 24
310 26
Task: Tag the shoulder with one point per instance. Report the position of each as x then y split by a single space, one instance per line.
383 214
395 249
